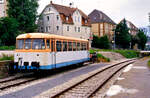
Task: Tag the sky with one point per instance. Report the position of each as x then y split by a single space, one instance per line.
135 11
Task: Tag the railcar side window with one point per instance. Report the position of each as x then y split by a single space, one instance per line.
48 44
38 44
20 44
78 46
52 45
28 44
74 46
83 46
64 46
58 45
70 46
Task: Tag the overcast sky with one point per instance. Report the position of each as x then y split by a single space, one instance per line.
135 11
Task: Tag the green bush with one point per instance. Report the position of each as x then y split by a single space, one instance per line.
101 42
7 47
6 57
91 51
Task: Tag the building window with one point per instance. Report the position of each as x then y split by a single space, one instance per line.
75 28
85 21
75 18
77 12
78 29
85 30
49 9
49 27
46 29
67 28
47 18
57 27
41 28
57 17
67 18
78 19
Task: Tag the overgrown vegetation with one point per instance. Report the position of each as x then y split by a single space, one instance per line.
102 58
6 57
148 63
7 47
125 53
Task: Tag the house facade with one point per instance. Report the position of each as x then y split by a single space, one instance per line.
65 21
133 30
3 8
101 24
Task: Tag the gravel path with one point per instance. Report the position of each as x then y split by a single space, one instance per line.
34 90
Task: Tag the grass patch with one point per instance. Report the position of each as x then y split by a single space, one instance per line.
128 53
7 47
6 57
125 53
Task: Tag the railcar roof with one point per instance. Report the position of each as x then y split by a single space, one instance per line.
46 35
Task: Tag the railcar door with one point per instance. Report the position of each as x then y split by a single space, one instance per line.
53 54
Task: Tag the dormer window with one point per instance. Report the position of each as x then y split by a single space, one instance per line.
57 17
78 19
85 21
67 18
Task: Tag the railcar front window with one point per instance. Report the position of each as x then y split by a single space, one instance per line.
20 44
28 44
38 44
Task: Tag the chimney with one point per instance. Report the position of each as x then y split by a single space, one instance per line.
51 2
71 5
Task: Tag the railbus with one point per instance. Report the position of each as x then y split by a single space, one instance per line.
47 51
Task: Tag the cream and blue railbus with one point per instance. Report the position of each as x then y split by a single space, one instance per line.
46 51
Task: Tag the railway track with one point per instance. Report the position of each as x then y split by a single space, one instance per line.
88 87
11 78
16 80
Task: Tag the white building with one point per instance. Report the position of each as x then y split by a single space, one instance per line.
65 21
3 7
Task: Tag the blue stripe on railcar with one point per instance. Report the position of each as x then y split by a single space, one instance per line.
52 66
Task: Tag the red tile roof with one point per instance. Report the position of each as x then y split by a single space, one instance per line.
66 11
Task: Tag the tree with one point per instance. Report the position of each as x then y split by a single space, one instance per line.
142 39
122 36
25 12
102 42
8 31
